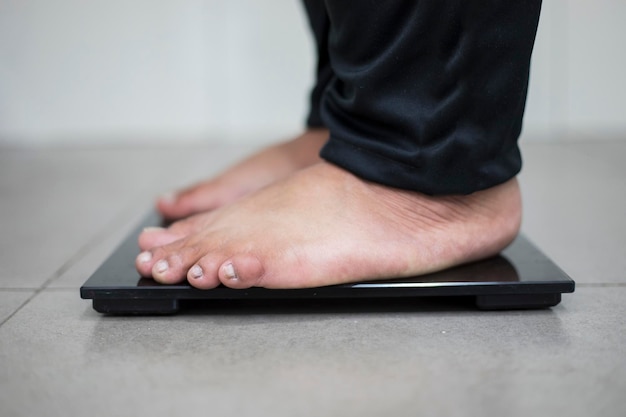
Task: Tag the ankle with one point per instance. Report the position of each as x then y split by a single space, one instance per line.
304 149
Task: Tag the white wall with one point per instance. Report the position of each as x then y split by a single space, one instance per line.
98 71
145 70
577 89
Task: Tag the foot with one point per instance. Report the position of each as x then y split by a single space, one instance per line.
324 226
254 173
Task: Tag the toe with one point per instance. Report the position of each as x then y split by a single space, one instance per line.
172 262
176 205
190 225
144 263
151 237
203 274
169 206
192 200
243 271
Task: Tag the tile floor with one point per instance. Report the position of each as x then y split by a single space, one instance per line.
62 211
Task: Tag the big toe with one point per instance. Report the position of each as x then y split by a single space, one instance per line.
240 271
151 237
174 206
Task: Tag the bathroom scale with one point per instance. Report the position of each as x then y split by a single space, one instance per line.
521 277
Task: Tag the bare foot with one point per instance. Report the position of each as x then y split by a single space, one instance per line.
255 172
325 226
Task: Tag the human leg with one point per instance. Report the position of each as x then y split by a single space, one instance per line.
326 225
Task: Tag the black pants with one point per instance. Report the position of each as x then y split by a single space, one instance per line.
424 95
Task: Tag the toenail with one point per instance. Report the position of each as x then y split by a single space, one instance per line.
161 266
144 257
196 271
153 229
229 271
168 198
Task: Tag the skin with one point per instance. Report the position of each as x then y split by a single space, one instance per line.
259 170
323 225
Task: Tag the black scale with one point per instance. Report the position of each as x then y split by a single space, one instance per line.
521 277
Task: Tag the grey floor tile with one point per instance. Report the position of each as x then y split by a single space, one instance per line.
574 200
10 300
54 202
85 265
59 357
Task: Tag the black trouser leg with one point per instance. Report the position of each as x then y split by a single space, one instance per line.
425 95
320 26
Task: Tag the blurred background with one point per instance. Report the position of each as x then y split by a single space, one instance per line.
76 72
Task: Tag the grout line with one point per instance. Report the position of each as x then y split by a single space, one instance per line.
84 250
19 308
120 219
